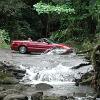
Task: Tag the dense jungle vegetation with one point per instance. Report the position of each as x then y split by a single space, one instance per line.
76 22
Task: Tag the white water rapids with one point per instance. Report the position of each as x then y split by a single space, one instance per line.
57 71
54 69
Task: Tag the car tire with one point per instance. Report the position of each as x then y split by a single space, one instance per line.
22 49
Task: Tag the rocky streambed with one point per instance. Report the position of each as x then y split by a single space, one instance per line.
13 78
12 89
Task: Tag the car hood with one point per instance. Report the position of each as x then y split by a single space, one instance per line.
62 45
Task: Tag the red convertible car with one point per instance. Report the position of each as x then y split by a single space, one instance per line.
39 46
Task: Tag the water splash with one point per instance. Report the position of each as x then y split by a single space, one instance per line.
56 70
55 51
57 74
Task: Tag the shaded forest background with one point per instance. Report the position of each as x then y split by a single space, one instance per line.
19 20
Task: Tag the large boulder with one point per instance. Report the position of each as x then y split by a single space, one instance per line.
10 73
43 86
11 67
37 96
15 97
7 92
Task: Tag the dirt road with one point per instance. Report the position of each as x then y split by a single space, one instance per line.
5 54
14 57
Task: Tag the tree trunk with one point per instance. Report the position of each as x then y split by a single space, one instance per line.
96 65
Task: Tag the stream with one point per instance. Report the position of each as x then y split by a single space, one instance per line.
55 70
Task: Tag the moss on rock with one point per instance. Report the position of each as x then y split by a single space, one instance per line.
86 81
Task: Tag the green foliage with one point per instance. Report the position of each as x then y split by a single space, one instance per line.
61 36
10 11
79 26
4 45
49 9
97 14
87 45
74 21
4 75
4 36
4 39
97 39
12 7
19 19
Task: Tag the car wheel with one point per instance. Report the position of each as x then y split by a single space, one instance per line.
22 49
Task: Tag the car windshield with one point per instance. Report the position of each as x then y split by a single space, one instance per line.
45 40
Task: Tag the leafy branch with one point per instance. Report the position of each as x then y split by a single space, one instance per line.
48 8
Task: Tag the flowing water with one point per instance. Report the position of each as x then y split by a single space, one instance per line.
55 70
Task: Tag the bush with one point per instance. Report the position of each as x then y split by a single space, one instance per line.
87 45
4 39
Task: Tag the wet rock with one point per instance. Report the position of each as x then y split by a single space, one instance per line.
2 96
66 98
79 94
15 97
43 86
89 98
96 96
81 65
50 98
21 87
1 89
5 64
86 81
71 98
9 80
63 97
9 91
37 96
77 82
17 70
11 67
87 75
10 73
6 92
18 75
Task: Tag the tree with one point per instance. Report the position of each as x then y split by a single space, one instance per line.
19 19
52 11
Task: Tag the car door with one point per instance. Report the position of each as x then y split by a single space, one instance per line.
40 46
